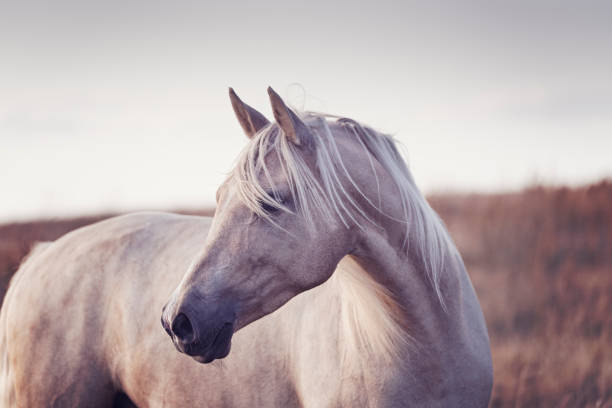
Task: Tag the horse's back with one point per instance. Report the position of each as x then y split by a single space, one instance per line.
64 316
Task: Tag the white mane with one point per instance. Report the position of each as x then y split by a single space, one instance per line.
321 194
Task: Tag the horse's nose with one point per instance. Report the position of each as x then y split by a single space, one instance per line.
183 329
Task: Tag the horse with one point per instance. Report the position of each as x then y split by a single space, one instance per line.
324 279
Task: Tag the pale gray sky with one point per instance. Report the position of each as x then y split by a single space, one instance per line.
122 105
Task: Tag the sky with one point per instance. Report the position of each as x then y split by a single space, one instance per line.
122 105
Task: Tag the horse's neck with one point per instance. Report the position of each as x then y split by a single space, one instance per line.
402 274
376 309
352 334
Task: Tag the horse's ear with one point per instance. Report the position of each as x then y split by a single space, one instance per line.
250 120
291 124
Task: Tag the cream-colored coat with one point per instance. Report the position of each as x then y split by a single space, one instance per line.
81 320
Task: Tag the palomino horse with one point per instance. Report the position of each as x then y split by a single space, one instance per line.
323 280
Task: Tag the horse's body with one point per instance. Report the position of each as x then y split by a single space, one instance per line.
80 322
72 354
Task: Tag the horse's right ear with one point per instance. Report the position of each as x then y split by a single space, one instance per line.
295 130
250 120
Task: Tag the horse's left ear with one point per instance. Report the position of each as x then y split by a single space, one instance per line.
292 125
250 120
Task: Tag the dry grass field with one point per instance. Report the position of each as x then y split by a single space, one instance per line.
541 262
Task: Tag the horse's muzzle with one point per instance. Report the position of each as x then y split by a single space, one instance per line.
219 348
205 341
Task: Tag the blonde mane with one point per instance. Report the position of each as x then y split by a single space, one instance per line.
322 194
370 317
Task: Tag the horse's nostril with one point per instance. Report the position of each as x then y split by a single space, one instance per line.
182 328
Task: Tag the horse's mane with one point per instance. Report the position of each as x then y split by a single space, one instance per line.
322 194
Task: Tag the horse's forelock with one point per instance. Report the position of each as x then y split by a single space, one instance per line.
321 194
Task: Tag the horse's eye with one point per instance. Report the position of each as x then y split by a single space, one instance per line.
269 208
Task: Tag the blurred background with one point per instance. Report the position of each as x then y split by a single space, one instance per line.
504 110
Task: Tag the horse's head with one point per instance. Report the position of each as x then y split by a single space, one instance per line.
276 231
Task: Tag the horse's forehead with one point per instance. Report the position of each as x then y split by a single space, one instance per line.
274 164
271 171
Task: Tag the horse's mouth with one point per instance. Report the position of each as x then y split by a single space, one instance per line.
219 348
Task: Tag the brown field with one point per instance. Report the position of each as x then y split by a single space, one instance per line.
541 262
